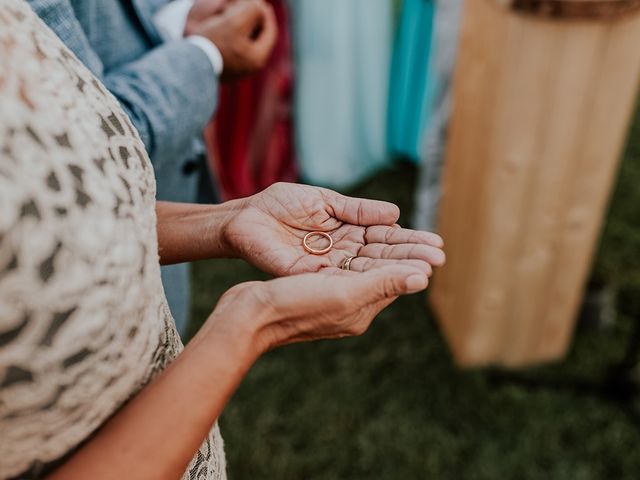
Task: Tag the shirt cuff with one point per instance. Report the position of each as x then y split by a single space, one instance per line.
212 52
171 19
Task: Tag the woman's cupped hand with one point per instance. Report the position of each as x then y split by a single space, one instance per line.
332 303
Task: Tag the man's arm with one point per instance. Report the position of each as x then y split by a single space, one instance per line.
169 93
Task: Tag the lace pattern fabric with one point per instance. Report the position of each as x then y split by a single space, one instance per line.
84 323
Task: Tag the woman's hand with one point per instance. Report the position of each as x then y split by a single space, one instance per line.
330 304
269 228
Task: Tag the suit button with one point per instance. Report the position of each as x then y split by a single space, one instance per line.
190 167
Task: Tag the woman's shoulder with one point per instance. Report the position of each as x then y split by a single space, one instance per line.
83 321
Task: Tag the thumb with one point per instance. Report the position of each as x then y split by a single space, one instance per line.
250 15
387 283
266 32
363 212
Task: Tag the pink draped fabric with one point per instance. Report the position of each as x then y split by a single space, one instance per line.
250 142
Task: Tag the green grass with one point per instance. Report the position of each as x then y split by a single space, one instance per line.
391 405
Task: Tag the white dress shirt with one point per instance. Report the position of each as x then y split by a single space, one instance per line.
170 22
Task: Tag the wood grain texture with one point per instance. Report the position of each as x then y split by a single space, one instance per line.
540 115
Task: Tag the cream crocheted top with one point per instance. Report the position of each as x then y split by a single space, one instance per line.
84 322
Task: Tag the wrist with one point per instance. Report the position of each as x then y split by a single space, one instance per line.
226 230
216 221
188 232
239 320
191 27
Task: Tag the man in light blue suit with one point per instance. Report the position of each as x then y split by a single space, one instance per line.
163 61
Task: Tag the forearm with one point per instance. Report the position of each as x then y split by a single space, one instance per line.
159 431
188 232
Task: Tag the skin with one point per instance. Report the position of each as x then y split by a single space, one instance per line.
245 32
267 230
317 301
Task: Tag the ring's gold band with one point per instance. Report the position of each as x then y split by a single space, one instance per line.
315 251
346 264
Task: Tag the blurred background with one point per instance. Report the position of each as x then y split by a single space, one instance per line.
501 125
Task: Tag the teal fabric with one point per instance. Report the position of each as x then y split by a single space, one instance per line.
342 53
412 87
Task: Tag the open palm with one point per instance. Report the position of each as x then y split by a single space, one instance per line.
270 228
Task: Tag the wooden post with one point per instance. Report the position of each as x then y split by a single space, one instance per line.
544 91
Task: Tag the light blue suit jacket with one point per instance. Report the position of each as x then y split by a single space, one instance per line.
169 90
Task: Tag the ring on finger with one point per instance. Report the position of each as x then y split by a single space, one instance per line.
346 264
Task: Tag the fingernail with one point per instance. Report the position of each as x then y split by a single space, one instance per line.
416 283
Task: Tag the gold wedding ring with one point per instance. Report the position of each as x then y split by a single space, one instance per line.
346 264
315 251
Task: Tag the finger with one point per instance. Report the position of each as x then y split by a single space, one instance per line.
360 211
378 284
216 6
247 16
219 6
395 236
335 288
426 253
364 264
388 283
268 34
250 13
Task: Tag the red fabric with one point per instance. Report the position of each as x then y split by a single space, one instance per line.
250 142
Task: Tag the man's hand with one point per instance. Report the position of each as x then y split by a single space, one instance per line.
201 11
269 228
244 31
